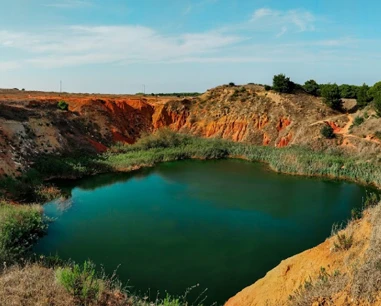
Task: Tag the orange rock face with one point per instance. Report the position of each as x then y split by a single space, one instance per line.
282 124
284 141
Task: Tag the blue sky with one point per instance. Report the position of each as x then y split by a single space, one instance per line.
116 46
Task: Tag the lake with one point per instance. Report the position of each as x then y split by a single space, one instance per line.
220 224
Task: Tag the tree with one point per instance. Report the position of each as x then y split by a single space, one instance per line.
327 132
348 91
331 96
375 93
267 87
282 84
231 84
311 87
363 96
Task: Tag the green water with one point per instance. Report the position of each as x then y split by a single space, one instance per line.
221 224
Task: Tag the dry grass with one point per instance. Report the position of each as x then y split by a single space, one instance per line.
32 285
361 284
367 278
36 285
322 292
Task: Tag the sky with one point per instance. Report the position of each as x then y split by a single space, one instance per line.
117 46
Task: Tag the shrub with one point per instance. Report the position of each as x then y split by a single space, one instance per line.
363 97
375 93
358 121
46 193
267 87
20 227
81 282
327 132
331 96
356 213
343 242
231 84
312 87
62 105
282 84
377 104
371 199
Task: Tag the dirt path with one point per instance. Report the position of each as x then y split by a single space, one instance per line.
345 130
327 119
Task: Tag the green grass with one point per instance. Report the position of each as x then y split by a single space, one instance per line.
165 145
81 282
168 146
20 227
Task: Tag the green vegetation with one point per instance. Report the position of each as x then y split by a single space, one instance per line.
312 87
331 96
348 91
231 84
343 242
363 97
375 93
358 121
20 227
62 105
282 84
81 282
327 132
268 87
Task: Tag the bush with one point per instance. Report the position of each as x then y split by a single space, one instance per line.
331 96
267 87
358 121
312 87
62 105
327 132
20 227
363 97
282 84
81 282
231 84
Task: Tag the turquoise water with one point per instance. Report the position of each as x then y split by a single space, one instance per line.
220 224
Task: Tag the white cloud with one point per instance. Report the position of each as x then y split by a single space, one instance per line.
298 19
80 45
75 45
282 31
69 4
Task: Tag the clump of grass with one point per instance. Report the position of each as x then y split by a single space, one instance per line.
20 227
371 200
325 286
46 193
343 242
81 282
358 121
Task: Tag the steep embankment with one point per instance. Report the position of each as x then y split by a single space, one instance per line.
333 273
31 124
